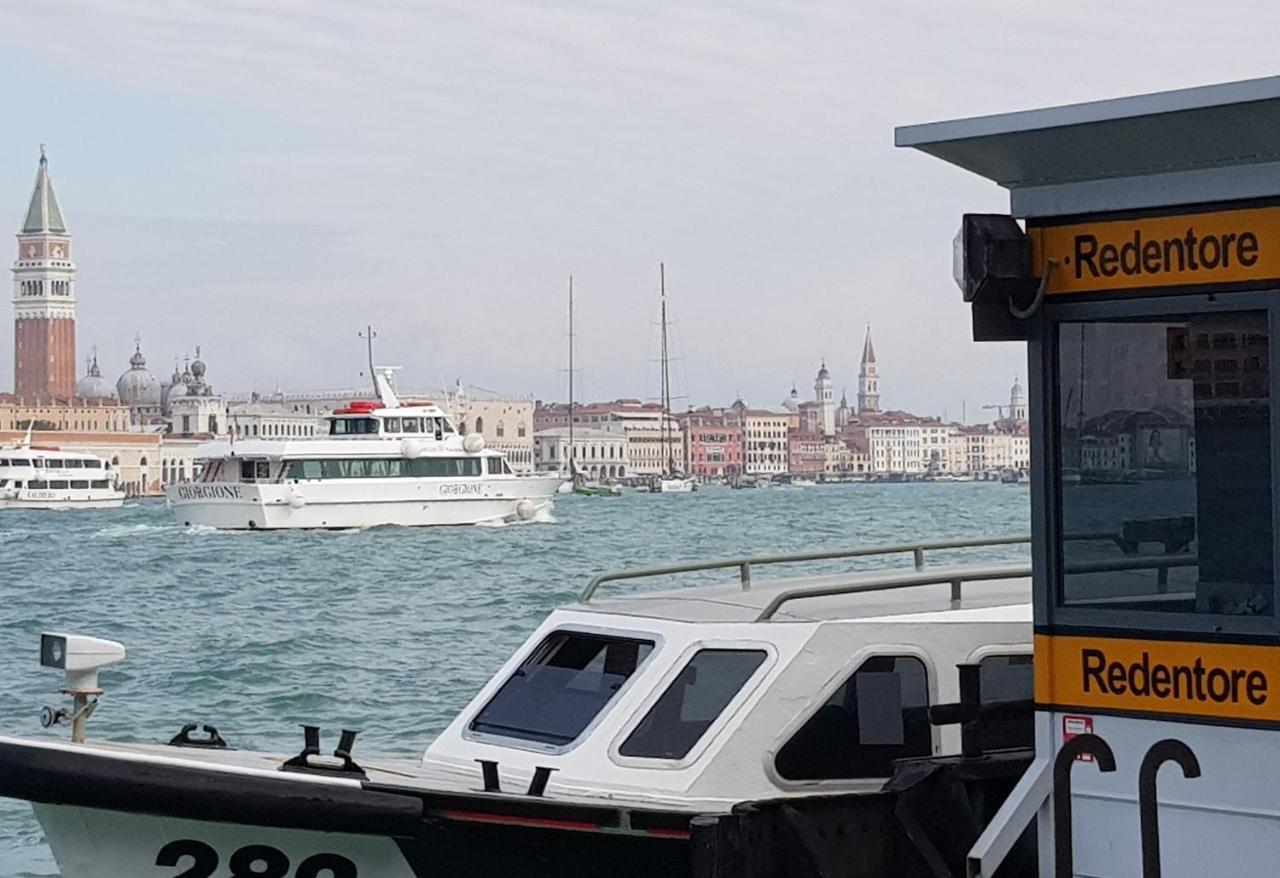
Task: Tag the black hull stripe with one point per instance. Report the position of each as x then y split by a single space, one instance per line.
60 777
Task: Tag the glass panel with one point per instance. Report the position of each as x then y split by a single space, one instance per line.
692 702
58 485
81 484
100 483
494 465
93 464
880 714
334 469
561 687
391 425
358 469
1007 678
72 463
1165 437
37 485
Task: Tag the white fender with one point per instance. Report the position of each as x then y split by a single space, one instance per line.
526 509
412 448
473 443
296 500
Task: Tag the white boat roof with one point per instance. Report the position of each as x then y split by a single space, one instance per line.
989 593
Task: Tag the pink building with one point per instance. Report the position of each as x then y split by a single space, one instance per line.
713 439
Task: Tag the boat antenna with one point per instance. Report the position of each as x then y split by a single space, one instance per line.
369 335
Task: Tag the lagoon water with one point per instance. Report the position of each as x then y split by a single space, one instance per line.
387 630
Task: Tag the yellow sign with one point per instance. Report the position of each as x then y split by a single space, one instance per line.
1223 681
1229 246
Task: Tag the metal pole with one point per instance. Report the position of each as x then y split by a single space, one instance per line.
79 717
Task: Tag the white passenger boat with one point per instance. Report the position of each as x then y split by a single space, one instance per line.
622 722
48 477
381 463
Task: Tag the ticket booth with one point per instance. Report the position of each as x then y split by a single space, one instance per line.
1140 262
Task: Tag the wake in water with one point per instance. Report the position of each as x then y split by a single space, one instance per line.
124 530
542 516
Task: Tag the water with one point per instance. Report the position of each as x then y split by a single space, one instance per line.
388 630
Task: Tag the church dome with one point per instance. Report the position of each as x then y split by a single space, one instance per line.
823 374
138 387
93 385
792 402
1017 392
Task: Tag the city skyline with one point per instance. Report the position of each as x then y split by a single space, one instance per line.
264 185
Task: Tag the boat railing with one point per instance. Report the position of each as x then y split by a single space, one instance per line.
746 566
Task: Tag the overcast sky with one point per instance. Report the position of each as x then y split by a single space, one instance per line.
263 179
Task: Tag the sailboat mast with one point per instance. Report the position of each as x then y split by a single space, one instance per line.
571 467
666 376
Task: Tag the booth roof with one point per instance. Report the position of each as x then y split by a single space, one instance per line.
1211 143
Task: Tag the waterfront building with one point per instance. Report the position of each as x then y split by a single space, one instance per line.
275 419
713 438
806 454
78 415
44 298
651 445
764 440
843 412
868 378
506 423
140 390
597 454
825 399
93 385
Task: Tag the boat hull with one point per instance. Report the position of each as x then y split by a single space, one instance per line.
304 505
112 816
108 502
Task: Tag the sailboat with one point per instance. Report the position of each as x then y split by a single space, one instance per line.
577 479
672 480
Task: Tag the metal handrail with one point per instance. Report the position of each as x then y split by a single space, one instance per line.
956 578
903 581
744 565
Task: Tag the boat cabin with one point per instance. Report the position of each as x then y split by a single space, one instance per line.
700 697
362 418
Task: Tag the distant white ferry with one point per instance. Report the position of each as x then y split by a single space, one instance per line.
381 463
47 477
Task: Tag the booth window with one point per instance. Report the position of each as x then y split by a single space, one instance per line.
880 714
561 687
1164 434
693 701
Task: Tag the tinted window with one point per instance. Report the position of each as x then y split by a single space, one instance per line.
692 702
59 484
36 485
78 483
1007 678
100 483
1165 460
880 714
495 465
73 464
93 464
561 687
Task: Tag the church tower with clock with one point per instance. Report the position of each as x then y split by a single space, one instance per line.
44 298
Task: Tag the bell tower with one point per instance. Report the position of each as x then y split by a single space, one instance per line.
44 298
868 378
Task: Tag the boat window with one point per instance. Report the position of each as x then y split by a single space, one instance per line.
878 715
93 464
58 485
494 465
17 461
37 485
80 484
443 467
1164 436
391 425
1007 678
99 483
410 425
38 463
561 687
3 462
693 701
4 482
304 469
72 463
353 426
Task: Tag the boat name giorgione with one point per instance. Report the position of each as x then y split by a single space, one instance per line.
458 490
208 492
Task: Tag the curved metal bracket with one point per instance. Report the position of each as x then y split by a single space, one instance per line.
1080 745
1168 750
1025 313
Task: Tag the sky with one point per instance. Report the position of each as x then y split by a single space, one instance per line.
263 180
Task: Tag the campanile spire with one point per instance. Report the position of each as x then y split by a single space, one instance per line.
44 297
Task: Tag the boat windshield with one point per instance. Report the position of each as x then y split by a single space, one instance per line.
561 687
